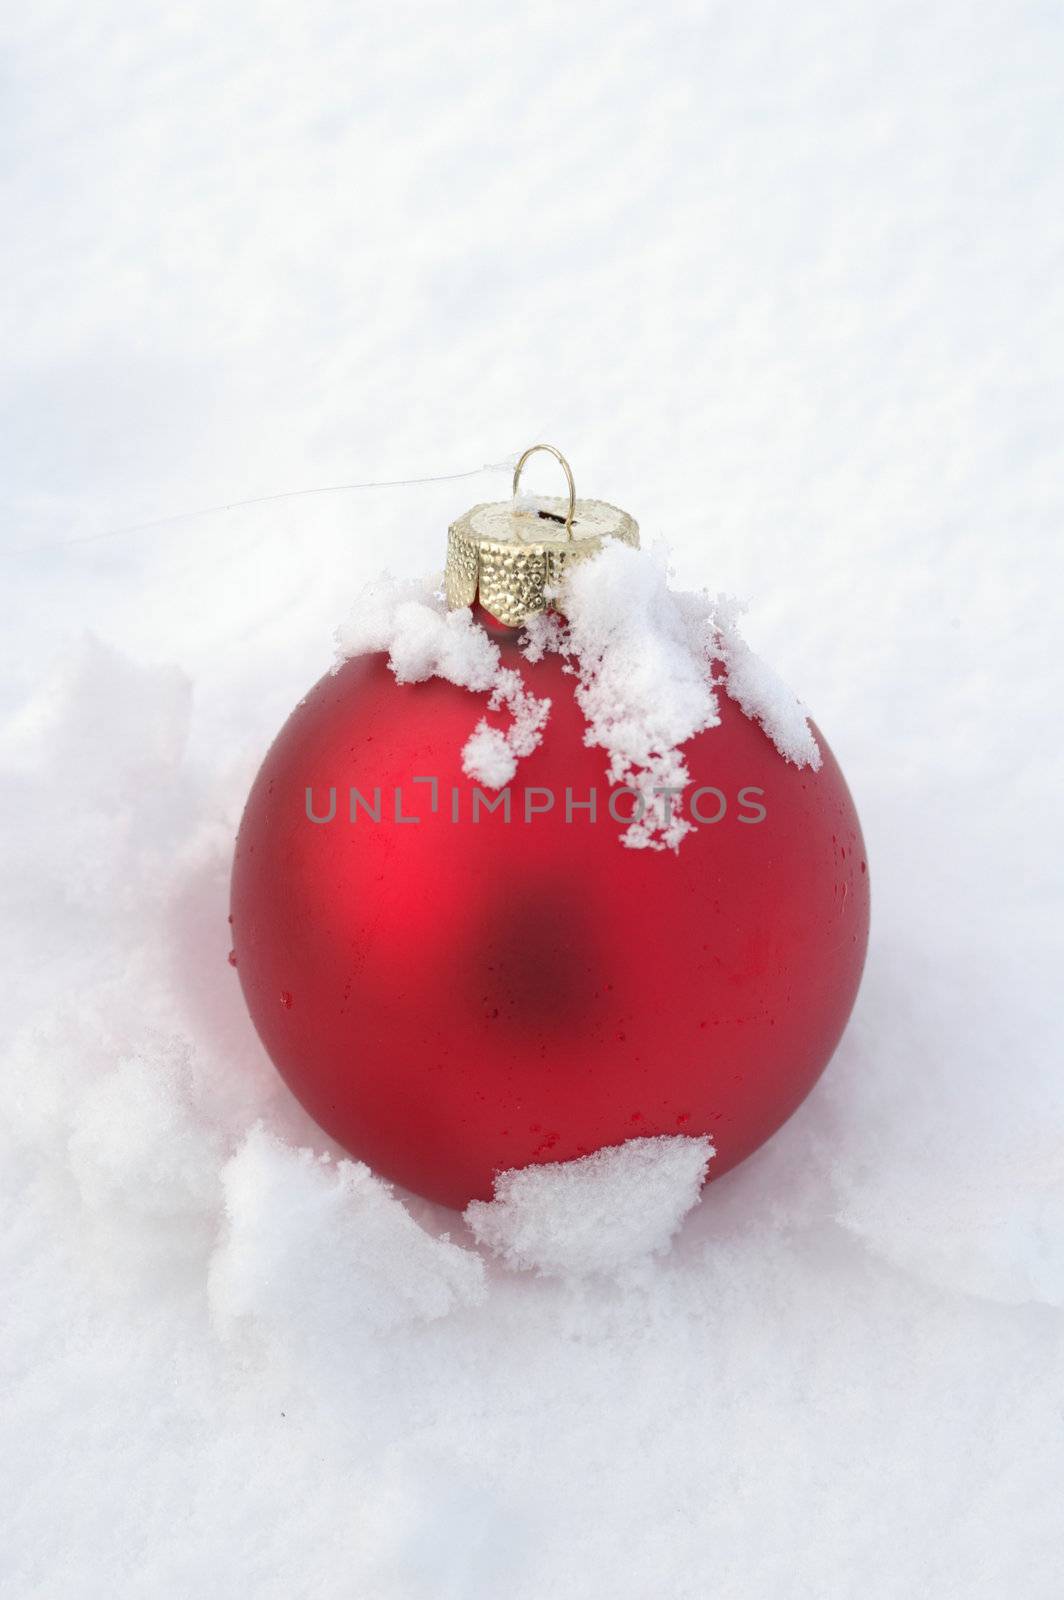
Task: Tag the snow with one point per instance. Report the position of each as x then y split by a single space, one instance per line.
642 688
321 1251
809 331
490 755
761 693
642 656
408 619
600 1214
488 758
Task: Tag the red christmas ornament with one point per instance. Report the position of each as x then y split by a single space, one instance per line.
449 998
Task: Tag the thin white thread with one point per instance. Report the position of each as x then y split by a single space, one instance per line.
260 500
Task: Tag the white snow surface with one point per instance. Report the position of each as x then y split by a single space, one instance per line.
785 283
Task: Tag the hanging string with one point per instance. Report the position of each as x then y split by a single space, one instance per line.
262 500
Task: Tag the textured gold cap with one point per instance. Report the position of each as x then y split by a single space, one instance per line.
509 553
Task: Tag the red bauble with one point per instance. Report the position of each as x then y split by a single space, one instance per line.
449 999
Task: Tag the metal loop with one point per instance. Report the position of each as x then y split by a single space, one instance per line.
566 468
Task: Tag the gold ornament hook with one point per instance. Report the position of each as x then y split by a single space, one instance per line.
514 561
566 468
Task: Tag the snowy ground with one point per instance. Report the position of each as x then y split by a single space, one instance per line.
787 282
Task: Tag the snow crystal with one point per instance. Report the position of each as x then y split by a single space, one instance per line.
599 1214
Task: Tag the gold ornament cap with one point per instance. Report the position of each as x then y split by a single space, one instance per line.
511 552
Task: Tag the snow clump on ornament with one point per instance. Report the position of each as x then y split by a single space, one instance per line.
409 620
648 663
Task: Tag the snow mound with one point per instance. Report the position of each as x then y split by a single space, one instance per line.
112 1113
600 1214
324 1251
137 1147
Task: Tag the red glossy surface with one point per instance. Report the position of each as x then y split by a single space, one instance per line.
451 999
